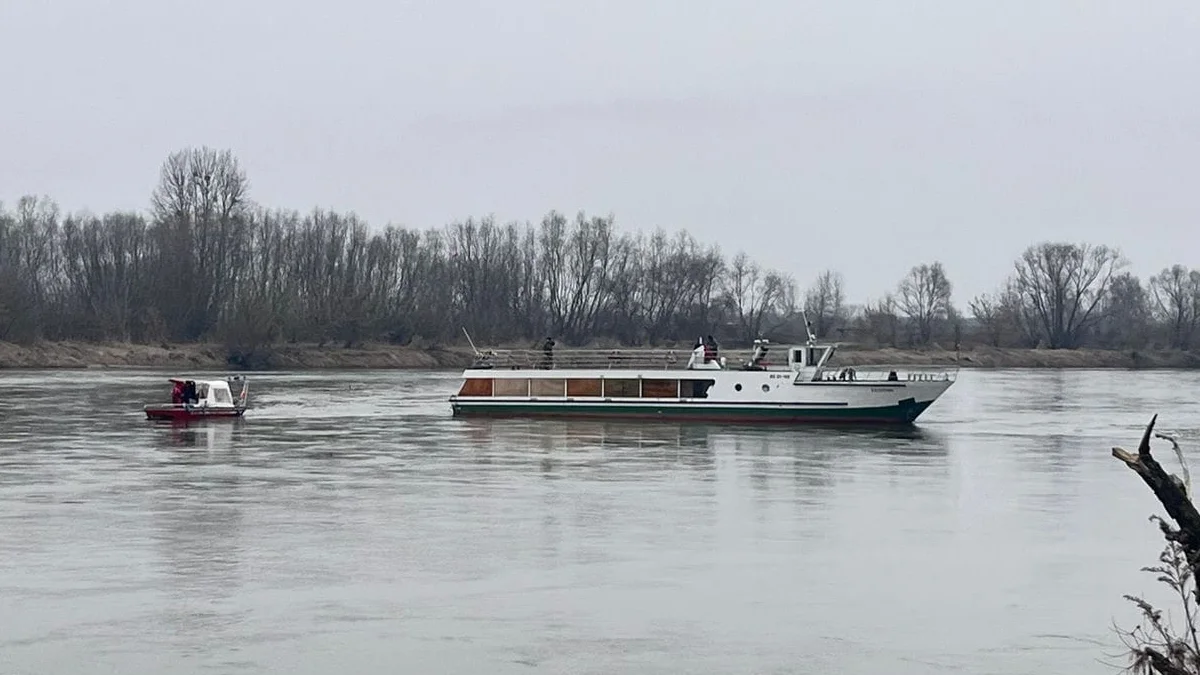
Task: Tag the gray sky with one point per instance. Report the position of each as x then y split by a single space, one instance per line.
866 137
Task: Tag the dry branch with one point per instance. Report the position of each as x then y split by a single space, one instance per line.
1160 651
1170 491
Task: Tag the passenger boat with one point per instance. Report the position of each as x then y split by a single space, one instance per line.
202 399
802 388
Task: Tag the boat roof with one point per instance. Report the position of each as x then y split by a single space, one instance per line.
185 380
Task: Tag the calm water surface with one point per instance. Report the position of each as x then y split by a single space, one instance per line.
350 524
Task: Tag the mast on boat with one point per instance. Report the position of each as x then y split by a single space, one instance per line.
470 341
812 339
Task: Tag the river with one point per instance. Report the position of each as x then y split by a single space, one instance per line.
351 524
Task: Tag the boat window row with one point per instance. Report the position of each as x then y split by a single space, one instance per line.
586 387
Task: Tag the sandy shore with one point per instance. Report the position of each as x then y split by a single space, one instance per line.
185 357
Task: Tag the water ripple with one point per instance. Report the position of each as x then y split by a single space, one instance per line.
349 523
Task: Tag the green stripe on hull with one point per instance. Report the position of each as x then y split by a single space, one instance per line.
905 412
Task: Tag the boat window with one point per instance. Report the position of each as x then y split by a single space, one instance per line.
660 388
622 388
547 387
222 396
798 357
476 386
504 386
814 357
581 387
695 388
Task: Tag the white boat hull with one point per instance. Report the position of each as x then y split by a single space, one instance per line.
759 396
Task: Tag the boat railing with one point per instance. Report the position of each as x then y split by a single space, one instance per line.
677 359
890 373
589 359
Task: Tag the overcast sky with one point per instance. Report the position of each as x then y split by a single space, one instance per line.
865 137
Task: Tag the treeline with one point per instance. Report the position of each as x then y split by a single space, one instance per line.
207 263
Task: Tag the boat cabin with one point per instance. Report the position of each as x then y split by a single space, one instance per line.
704 357
204 393
799 358
802 357
201 399
810 356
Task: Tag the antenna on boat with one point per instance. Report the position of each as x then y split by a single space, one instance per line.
808 328
472 342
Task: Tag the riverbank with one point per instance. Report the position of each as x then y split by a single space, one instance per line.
196 357
193 357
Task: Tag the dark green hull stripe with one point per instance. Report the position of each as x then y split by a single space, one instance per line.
903 413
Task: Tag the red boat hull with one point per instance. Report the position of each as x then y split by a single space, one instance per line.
178 413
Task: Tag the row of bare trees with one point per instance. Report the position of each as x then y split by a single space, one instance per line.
1065 296
207 263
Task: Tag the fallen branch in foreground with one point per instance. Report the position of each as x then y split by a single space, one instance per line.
1157 646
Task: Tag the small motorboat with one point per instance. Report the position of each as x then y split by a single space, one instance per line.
202 399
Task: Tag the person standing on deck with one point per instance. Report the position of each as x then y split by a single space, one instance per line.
548 353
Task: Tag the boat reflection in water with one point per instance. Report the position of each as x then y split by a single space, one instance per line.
208 437
596 442
568 433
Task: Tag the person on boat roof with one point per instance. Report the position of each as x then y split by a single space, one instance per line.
759 355
710 348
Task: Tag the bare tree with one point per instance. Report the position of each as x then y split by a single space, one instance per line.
924 297
1001 318
200 207
987 311
104 264
824 303
1125 314
1176 295
882 321
30 270
1061 286
750 294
